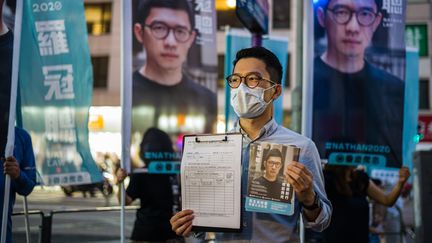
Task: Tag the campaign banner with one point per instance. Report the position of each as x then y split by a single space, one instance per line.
359 81
55 86
174 78
235 41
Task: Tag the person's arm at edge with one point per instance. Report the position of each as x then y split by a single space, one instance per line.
121 174
27 178
318 220
389 199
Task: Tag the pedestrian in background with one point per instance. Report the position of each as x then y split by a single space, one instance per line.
348 189
158 193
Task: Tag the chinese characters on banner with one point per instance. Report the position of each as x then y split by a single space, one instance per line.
56 91
359 81
174 75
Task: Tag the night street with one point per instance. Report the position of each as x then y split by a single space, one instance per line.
71 227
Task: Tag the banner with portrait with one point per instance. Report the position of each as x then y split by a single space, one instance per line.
174 77
55 86
359 81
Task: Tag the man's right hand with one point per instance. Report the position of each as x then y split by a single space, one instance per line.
181 222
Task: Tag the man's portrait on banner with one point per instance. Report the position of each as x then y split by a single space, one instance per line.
174 67
358 87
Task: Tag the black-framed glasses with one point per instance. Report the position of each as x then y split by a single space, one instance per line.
160 30
251 80
342 15
274 163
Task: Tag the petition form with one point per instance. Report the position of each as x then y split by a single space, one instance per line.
211 180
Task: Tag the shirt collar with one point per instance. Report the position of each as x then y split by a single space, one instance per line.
268 129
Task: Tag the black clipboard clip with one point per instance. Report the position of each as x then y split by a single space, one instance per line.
197 140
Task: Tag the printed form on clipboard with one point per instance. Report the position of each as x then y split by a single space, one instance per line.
268 189
211 181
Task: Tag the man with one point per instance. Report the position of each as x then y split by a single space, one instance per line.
269 185
162 95
21 166
355 102
255 84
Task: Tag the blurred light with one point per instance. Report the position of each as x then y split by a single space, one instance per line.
96 122
223 5
172 122
418 137
315 1
220 127
163 122
231 3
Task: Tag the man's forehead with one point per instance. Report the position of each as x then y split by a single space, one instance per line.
353 3
169 16
274 158
249 65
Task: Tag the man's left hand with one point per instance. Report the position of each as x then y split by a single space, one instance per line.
11 167
301 179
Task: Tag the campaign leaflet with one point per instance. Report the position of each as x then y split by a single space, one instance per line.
268 190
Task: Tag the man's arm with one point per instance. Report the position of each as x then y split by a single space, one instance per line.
388 199
308 181
26 179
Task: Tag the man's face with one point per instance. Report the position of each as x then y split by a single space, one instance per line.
253 65
167 53
273 165
352 38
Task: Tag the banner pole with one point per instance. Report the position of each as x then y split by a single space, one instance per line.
126 97
11 126
307 74
26 219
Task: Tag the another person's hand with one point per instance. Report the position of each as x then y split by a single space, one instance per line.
404 174
11 167
121 174
181 222
301 179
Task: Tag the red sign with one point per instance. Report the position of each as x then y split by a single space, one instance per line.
425 123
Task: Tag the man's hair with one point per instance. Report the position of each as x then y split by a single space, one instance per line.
155 140
273 66
273 153
144 7
325 3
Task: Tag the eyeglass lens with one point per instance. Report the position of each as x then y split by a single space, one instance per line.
161 31
251 80
274 163
343 15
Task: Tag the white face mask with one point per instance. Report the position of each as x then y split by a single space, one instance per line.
247 102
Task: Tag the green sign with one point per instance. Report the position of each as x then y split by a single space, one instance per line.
416 35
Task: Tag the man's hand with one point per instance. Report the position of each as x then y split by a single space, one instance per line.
404 174
11 167
301 179
181 222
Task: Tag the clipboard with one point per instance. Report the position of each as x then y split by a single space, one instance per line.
211 181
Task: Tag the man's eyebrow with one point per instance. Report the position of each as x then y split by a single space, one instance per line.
165 23
360 8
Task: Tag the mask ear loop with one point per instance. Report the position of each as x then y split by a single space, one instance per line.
267 103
